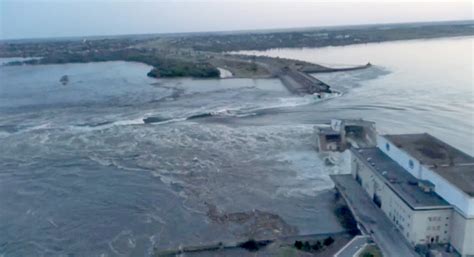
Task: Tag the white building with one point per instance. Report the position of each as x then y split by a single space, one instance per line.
425 186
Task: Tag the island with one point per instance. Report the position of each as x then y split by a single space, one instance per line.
203 55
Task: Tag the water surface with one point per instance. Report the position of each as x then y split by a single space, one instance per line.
416 86
115 163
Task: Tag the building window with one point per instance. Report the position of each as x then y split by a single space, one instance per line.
411 164
387 146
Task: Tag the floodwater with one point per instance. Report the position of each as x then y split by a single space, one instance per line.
114 163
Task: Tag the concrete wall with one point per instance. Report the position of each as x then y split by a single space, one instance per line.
399 156
432 226
462 234
324 145
450 193
395 209
400 214
417 226
366 176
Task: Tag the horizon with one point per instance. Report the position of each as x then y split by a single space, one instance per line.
109 18
247 31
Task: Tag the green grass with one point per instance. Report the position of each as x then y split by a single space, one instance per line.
371 251
288 252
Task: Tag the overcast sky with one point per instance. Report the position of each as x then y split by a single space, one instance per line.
60 18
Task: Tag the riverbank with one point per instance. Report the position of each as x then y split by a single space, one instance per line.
186 63
316 245
199 56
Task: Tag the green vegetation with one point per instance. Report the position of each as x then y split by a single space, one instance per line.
171 69
320 37
308 246
288 252
371 251
164 66
253 246
347 219
328 241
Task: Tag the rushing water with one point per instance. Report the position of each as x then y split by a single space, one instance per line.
114 163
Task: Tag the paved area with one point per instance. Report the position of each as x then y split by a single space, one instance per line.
372 219
351 248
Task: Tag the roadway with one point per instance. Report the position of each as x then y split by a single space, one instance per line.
373 221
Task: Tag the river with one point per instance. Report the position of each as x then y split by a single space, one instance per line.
115 163
415 86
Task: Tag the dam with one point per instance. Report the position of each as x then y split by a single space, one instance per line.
300 83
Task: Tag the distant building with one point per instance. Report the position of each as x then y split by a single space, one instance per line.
423 185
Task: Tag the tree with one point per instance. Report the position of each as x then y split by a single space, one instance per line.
328 241
298 245
317 246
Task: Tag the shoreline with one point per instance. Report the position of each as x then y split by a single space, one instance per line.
245 52
182 57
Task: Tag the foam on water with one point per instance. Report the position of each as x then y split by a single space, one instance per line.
120 177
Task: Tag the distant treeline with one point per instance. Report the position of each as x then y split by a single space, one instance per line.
170 69
321 37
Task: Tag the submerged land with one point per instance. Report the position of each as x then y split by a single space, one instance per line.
204 55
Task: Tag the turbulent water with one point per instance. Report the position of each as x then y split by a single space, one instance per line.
114 163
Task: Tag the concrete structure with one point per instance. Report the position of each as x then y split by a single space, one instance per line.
300 83
423 185
343 133
353 247
371 219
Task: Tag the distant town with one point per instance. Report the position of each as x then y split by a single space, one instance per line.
200 55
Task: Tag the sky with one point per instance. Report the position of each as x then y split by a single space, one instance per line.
65 18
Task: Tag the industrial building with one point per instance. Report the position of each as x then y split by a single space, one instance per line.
341 134
423 185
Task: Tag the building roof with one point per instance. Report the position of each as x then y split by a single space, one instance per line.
462 176
399 180
450 163
429 150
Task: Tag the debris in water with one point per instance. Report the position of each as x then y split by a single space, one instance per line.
64 80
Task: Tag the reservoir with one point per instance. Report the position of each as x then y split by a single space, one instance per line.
114 163
415 86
